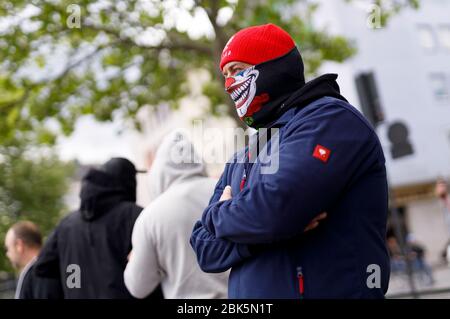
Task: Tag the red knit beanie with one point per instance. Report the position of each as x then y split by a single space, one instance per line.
257 44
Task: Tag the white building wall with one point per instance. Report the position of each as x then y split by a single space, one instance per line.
402 69
427 222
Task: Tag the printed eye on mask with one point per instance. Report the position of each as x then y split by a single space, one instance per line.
259 91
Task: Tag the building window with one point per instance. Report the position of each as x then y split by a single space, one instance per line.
439 87
426 37
444 36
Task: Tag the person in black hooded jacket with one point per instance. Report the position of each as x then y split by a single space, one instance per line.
88 250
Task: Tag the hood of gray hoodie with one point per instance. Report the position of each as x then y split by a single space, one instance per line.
175 161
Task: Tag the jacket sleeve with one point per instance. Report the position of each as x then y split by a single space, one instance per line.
47 264
141 274
280 205
46 288
132 215
214 254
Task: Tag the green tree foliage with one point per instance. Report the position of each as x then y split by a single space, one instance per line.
127 54
32 187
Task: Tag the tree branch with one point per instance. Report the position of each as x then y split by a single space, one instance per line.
173 44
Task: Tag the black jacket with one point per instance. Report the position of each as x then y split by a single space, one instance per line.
97 238
34 287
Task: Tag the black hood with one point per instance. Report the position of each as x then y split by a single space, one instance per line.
313 90
258 91
105 187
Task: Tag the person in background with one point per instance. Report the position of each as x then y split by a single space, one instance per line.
91 245
441 191
23 242
398 264
161 254
417 256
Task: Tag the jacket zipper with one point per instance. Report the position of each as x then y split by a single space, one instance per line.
301 283
247 167
243 180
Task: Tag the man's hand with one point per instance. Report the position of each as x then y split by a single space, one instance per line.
441 189
315 222
226 194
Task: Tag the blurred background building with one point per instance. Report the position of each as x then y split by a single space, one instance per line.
400 80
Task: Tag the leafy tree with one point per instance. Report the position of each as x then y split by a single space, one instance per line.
32 187
128 54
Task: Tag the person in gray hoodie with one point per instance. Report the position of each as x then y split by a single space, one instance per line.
180 191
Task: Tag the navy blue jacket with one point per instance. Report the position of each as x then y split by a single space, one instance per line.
259 233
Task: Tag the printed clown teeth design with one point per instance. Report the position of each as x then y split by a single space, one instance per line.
243 89
241 92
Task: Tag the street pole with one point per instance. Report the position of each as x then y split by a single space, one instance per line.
404 248
396 136
446 203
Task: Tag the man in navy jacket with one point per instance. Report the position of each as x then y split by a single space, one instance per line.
329 159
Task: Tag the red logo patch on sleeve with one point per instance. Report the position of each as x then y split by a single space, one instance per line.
322 153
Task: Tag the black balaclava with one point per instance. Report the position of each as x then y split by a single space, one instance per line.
259 91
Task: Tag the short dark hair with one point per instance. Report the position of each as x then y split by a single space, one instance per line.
28 232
